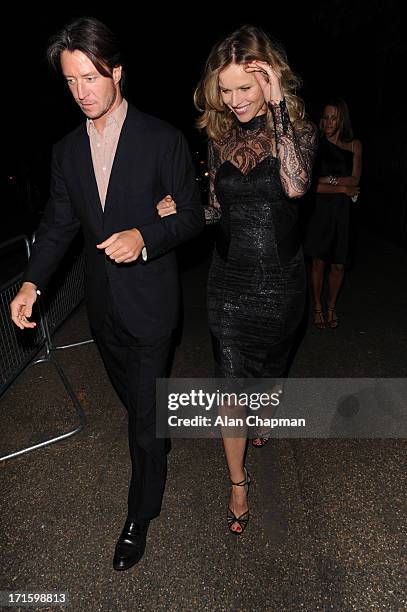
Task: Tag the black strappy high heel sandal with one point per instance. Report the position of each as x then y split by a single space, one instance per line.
334 321
319 320
243 519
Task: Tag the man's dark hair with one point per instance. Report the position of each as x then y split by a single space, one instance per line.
91 37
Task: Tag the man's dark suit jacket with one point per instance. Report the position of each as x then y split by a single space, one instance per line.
151 161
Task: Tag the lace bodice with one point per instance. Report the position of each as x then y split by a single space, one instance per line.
250 143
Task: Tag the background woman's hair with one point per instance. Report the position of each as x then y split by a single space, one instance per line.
91 37
246 44
344 123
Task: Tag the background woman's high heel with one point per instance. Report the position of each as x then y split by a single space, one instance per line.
334 321
243 519
319 320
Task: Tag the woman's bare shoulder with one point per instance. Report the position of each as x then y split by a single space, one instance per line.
357 146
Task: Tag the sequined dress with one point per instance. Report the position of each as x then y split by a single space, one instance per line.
257 283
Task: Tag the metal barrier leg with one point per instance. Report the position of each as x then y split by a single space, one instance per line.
49 356
67 346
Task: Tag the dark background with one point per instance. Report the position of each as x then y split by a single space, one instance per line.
353 49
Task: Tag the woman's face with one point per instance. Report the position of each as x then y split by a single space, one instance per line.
330 121
241 92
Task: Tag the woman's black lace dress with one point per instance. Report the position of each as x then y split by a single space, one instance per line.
256 285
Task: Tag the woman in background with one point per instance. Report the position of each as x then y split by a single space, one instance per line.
328 234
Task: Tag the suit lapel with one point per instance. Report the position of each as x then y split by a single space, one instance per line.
120 165
86 173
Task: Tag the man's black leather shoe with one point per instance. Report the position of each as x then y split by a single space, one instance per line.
131 544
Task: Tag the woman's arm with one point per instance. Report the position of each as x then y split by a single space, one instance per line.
167 206
296 146
296 150
212 212
348 181
349 190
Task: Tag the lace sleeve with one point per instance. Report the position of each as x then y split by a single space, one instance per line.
296 150
212 212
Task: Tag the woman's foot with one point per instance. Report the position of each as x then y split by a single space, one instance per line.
261 438
238 510
319 320
332 320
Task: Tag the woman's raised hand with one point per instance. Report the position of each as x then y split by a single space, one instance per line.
268 79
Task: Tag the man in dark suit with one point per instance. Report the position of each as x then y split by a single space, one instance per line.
107 176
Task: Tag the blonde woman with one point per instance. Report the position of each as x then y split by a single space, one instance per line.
261 151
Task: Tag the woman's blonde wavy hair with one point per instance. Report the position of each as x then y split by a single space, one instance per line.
246 44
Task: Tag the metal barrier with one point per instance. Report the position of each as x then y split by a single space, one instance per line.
18 349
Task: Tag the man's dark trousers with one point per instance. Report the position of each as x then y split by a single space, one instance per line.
133 365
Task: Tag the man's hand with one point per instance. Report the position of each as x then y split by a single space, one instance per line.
166 207
123 247
21 306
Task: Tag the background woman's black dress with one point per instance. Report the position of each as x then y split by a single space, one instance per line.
328 234
256 285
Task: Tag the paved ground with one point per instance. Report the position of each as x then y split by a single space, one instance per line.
328 520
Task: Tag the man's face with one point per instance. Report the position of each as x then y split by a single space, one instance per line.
96 94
